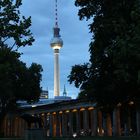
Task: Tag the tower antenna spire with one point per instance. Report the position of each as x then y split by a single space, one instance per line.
56 14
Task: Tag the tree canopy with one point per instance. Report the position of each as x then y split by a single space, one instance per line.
14 28
17 81
114 50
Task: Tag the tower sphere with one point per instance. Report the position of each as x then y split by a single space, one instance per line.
56 42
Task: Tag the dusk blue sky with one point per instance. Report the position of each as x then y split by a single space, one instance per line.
75 35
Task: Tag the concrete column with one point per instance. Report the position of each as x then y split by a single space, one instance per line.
42 116
116 122
8 126
100 121
64 124
60 121
57 124
16 127
70 123
19 128
22 127
54 124
12 126
50 125
138 121
127 126
6 123
85 119
47 124
4 126
94 122
78 122
35 124
19 125
41 124
108 125
45 120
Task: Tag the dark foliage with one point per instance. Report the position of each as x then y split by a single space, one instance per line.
17 81
114 71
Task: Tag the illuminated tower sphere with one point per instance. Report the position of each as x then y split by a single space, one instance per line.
56 44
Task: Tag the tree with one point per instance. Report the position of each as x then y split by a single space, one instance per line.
79 74
114 50
14 29
17 82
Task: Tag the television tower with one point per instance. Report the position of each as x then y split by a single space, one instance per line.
56 44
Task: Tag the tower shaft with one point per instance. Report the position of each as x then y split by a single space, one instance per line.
56 73
56 45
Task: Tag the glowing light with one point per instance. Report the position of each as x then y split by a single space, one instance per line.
82 109
54 113
42 114
102 130
74 135
46 96
131 103
48 113
60 112
56 47
90 108
67 111
74 110
34 105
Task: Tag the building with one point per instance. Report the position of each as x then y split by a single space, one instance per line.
75 117
44 94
